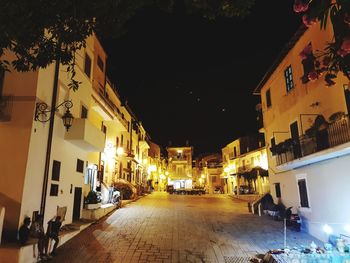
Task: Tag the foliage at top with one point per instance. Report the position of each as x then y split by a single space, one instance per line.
40 32
336 55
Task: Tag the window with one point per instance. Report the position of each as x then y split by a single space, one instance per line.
268 98
213 179
304 201
117 142
104 129
87 66
2 77
235 151
288 75
100 63
54 190
278 190
80 166
121 140
273 146
56 168
84 112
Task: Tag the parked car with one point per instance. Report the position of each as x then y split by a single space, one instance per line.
170 189
244 189
217 190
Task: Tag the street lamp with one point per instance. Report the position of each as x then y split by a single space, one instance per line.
41 111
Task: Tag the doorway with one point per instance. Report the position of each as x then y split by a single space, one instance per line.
77 203
347 97
295 137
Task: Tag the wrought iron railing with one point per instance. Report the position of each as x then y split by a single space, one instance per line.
336 133
104 95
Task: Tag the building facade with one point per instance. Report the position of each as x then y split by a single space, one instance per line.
49 169
245 163
180 166
306 126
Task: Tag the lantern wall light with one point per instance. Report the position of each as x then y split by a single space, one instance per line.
43 114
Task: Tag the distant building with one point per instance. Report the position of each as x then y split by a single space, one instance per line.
180 166
209 172
245 163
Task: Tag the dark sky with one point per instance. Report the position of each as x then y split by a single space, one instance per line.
188 78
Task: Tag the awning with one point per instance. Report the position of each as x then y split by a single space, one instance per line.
253 173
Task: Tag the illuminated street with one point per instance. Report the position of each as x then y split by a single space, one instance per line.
178 228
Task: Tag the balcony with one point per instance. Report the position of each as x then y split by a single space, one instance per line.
179 159
144 144
86 136
330 142
216 170
214 165
104 103
6 103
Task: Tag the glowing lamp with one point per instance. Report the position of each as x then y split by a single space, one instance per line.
327 229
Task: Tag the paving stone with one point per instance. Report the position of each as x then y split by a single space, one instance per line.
178 229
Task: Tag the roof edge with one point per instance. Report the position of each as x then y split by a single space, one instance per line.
291 43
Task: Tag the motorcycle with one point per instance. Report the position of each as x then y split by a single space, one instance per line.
116 198
293 221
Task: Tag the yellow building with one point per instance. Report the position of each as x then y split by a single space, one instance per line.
306 126
180 166
245 163
209 170
157 176
48 164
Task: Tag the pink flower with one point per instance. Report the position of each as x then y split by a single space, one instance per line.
346 44
299 6
308 21
312 75
307 51
342 52
303 55
344 48
347 19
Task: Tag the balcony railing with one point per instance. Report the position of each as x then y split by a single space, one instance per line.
179 158
214 165
6 103
335 134
104 95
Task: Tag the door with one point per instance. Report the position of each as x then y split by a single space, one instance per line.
77 203
295 137
347 97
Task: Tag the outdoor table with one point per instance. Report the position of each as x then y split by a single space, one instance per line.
299 257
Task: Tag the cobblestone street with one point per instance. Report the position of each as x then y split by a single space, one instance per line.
178 228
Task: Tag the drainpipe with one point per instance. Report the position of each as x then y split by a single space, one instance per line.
49 139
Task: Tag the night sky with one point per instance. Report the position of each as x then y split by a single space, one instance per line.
188 78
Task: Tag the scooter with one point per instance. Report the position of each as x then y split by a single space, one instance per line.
116 198
293 221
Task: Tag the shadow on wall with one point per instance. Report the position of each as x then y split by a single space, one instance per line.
11 222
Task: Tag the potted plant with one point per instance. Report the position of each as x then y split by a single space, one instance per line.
92 200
